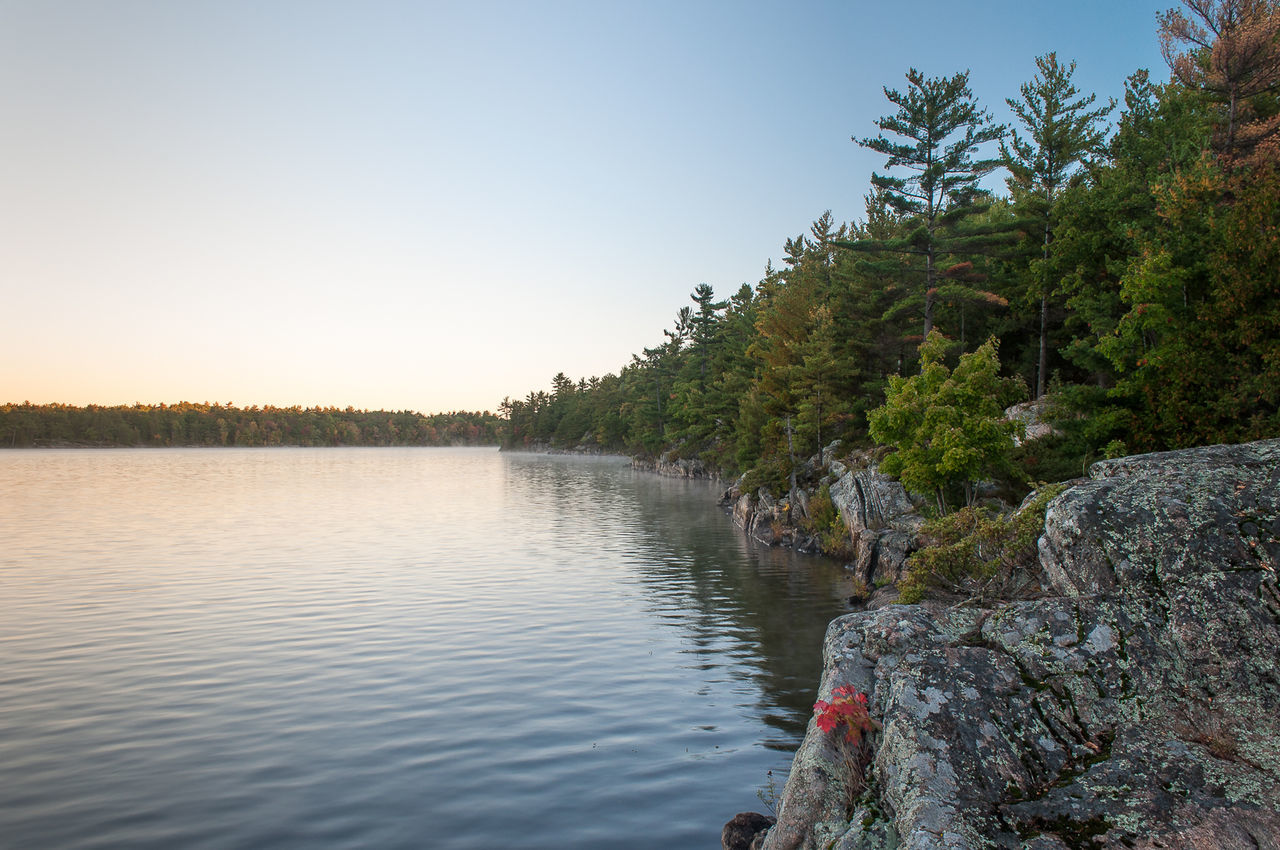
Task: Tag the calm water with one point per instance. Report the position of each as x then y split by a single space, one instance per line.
391 648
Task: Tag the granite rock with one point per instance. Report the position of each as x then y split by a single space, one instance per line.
1136 703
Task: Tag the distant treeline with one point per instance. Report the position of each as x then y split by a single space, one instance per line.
187 424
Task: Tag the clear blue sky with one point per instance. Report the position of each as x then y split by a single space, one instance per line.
428 205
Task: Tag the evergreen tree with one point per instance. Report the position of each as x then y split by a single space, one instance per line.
1198 348
1102 227
941 130
689 396
1230 50
1061 131
703 332
732 372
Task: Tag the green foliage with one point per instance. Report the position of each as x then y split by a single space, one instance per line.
192 424
1135 280
1198 346
1088 426
1061 132
940 131
948 426
1102 223
825 522
974 551
1051 458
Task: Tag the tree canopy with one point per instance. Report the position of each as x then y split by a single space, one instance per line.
1128 275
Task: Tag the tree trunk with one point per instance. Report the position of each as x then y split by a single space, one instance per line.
1044 316
791 453
1044 345
929 289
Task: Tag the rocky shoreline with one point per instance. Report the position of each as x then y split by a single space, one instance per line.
1132 699
879 521
1128 698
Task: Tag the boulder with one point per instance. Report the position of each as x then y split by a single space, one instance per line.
1034 423
1136 704
771 521
745 831
867 499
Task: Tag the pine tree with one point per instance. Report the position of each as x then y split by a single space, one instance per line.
942 129
1061 132
689 401
1232 53
702 334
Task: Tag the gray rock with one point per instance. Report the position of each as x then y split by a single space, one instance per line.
745 831
867 499
673 467
1031 414
881 519
771 521
1136 705
880 555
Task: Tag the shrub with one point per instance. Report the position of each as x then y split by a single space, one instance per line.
948 426
824 521
848 711
975 551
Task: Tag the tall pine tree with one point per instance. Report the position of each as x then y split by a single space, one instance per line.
1061 132
940 131
1230 50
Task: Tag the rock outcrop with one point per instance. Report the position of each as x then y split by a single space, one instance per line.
1034 418
879 516
1135 703
881 519
674 467
773 522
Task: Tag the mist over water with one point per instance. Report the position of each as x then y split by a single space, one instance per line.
394 648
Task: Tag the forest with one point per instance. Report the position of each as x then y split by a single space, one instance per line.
186 424
1126 280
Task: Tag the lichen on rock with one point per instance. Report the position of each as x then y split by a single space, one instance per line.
1135 704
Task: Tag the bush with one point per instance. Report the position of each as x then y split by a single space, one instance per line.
975 551
824 522
948 426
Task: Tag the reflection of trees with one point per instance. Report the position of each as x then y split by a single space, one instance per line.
759 613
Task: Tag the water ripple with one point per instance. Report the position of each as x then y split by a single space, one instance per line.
392 648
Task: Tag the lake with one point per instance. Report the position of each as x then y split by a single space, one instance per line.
393 648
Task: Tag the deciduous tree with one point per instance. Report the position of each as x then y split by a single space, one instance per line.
948 426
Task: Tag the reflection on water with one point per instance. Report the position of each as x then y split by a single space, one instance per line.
388 647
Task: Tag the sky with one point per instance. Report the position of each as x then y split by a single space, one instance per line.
434 205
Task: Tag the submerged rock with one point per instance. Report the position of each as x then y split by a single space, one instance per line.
1137 704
